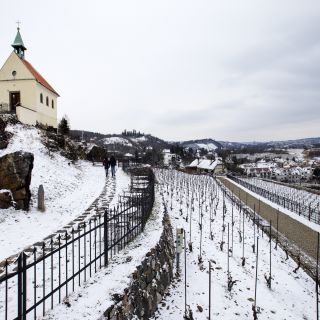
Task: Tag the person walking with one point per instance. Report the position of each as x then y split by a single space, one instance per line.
106 164
113 163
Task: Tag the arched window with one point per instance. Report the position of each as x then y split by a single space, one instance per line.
47 101
52 104
41 97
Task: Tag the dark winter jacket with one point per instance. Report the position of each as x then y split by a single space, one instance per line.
113 161
106 163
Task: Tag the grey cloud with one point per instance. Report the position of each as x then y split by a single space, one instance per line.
177 68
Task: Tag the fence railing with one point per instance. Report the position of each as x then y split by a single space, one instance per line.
46 274
301 209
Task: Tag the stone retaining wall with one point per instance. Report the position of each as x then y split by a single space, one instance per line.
149 282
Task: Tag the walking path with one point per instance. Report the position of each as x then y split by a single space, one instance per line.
112 188
97 294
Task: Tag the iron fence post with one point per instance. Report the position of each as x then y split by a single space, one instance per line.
24 286
105 222
19 286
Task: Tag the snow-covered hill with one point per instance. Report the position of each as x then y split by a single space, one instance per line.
69 189
206 144
123 143
281 144
210 144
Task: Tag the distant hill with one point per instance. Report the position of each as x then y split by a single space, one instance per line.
124 143
211 144
282 144
207 144
131 141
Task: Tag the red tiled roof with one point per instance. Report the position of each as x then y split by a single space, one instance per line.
38 76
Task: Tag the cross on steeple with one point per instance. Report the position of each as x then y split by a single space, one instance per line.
18 23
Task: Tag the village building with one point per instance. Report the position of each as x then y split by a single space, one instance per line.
170 158
206 166
24 91
285 171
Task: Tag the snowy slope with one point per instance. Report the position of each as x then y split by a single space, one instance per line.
206 144
118 140
69 190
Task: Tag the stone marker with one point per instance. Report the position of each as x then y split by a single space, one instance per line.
41 206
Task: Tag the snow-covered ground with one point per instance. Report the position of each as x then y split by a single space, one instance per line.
69 190
207 146
292 295
95 296
139 139
119 140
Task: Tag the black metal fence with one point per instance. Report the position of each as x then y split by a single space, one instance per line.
312 214
45 275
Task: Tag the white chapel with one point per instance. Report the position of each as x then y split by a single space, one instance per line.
24 91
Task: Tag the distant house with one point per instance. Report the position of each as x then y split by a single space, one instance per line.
205 166
24 91
294 174
261 169
170 158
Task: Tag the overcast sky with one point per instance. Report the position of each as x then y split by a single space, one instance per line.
229 70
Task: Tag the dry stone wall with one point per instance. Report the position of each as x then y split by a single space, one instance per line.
149 281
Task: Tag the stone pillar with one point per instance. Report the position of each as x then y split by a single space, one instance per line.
41 205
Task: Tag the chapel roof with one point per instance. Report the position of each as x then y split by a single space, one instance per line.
38 76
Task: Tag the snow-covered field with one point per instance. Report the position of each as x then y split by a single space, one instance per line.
207 146
69 190
139 139
119 140
291 296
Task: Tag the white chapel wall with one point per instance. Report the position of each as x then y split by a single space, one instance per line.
26 116
30 90
23 82
15 63
46 114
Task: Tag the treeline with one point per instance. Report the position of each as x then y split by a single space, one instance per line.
132 133
78 135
